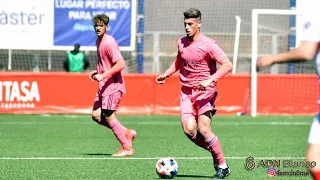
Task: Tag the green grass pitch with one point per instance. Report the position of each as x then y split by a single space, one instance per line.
75 147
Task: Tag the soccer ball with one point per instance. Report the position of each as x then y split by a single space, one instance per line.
167 168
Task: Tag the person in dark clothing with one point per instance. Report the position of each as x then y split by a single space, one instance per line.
76 61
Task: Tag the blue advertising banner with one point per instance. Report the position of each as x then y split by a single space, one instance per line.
73 22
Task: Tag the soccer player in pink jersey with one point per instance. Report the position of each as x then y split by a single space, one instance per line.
196 59
111 86
307 50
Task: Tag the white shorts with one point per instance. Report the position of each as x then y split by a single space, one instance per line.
314 134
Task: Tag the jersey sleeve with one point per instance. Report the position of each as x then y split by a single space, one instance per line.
216 53
113 51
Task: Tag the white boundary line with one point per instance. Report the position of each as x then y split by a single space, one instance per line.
141 158
164 123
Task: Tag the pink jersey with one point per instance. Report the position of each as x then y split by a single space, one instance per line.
108 54
198 59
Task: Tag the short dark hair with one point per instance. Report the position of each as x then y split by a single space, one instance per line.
76 46
192 13
101 17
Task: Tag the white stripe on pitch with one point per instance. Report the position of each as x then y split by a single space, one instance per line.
140 158
271 123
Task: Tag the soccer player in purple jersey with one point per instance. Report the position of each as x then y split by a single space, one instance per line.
111 86
196 59
307 50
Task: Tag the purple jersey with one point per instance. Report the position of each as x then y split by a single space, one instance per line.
198 59
108 54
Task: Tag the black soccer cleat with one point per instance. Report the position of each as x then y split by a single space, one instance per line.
222 173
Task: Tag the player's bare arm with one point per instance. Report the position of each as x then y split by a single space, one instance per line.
225 68
171 70
304 52
91 74
118 66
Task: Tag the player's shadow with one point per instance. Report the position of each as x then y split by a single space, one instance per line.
96 154
192 176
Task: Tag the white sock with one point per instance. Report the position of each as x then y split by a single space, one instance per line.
223 166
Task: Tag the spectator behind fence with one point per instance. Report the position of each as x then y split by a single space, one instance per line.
76 61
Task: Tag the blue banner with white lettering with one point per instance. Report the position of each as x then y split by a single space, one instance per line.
73 21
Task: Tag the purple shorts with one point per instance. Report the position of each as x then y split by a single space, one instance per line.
109 102
194 102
